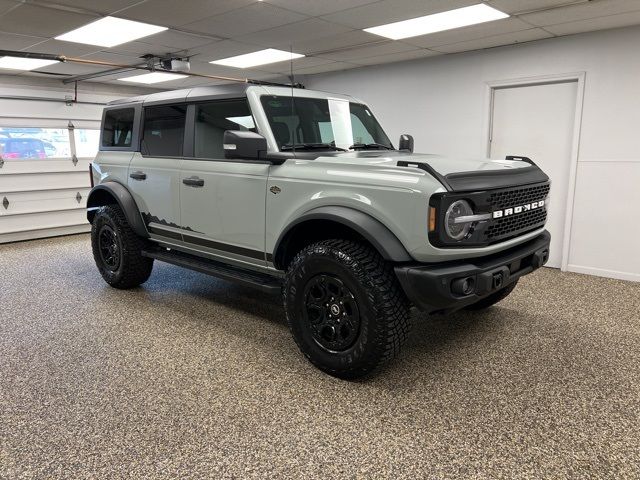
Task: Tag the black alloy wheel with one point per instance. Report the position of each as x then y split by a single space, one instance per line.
109 247
332 313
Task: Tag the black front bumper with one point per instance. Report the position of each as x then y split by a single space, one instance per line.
441 287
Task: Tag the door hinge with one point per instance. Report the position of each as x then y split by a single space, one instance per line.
1 162
74 159
5 203
78 197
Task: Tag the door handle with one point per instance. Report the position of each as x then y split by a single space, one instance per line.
138 175
193 181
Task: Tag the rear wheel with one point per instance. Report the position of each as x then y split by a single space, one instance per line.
494 298
345 308
117 250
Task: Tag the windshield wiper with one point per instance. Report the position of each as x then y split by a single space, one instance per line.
311 146
367 146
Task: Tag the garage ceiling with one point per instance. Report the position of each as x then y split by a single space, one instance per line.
328 32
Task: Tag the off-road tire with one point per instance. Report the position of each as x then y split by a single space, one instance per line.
383 308
132 268
492 299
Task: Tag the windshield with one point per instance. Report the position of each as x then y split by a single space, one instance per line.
320 123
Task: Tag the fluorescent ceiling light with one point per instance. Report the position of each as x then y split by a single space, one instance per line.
110 31
154 77
460 17
15 63
270 55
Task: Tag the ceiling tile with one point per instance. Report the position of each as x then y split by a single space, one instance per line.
103 6
495 41
612 21
12 41
178 40
256 17
221 70
582 11
63 48
41 21
141 48
497 27
330 67
222 49
286 35
333 42
389 11
396 57
521 6
172 13
317 8
298 64
355 54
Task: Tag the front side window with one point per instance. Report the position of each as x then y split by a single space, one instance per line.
332 124
164 130
118 128
213 118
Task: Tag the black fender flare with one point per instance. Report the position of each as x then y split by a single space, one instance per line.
123 198
375 232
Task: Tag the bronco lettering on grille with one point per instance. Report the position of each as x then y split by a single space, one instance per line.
522 208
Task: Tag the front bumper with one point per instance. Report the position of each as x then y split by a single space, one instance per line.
449 286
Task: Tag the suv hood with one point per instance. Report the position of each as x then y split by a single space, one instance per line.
456 174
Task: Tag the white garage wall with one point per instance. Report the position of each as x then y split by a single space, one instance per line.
442 102
47 197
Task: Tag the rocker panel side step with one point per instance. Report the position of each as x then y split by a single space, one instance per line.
249 278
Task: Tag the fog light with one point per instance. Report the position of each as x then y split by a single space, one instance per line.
463 286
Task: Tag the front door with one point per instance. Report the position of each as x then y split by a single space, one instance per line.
154 174
223 201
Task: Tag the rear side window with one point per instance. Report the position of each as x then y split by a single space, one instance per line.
118 128
164 130
213 118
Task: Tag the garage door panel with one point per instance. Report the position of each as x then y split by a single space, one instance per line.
42 181
43 201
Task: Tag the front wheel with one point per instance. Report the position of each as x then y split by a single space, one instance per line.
117 250
345 308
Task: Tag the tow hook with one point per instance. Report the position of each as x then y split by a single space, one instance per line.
498 280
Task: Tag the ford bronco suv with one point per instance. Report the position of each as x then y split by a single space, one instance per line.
301 193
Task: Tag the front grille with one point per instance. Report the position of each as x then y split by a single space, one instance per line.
518 196
516 224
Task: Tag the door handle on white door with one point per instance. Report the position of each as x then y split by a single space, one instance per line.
193 181
138 175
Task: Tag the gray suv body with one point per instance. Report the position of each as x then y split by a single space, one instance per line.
302 193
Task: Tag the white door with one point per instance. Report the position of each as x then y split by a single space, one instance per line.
537 121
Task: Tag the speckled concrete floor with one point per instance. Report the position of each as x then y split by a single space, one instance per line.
192 377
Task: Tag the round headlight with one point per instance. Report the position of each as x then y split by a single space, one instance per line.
459 208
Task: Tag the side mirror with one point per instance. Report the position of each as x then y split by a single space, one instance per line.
243 145
406 143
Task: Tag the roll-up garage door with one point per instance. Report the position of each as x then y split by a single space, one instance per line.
44 167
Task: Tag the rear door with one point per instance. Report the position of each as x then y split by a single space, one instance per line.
154 172
223 201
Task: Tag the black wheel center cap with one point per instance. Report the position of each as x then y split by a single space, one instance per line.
335 309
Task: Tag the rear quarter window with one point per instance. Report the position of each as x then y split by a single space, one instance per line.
117 130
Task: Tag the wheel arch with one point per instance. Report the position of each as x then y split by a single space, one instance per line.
110 193
315 225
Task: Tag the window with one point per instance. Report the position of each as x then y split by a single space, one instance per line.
212 119
316 122
87 141
118 128
34 143
164 130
